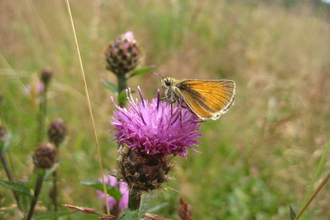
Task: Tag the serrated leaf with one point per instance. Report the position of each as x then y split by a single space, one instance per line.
50 215
130 215
112 191
111 86
292 214
16 187
142 70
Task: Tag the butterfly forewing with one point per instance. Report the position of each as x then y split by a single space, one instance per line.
208 98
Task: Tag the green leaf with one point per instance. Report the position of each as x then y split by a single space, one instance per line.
142 70
51 170
50 215
157 208
16 187
111 70
292 214
111 86
112 191
130 215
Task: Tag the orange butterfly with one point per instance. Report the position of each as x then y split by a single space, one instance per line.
208 99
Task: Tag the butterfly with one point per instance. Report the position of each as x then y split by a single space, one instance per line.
208 99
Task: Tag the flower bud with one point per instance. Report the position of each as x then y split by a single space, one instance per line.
123 54
57 131
45 155
46 75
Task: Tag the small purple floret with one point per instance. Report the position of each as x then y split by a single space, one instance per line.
156 127
123 188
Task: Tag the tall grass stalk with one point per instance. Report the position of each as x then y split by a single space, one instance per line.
308 199
313 196
89 107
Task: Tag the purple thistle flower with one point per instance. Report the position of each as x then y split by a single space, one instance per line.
38 88
123 188
156 127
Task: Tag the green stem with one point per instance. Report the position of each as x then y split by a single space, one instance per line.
37 190
55 191
122 86
134 199
10 177
42 115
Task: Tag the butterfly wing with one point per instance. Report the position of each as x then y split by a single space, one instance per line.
208 99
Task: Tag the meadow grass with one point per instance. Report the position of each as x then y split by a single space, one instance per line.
256 161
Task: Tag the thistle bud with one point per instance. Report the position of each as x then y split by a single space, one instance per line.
123 54
144 172
46 75
45 155
57 131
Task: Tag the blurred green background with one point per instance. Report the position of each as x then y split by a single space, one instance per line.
256 161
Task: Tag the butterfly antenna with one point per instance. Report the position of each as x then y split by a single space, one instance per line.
156 74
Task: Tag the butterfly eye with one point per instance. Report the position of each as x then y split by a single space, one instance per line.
167 82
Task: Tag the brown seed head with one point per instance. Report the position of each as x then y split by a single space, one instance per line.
45 155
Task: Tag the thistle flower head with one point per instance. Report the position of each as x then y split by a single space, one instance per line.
123 188
123 54
156 127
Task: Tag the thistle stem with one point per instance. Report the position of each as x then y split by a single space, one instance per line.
42 114
54 194
122 85
8 172
134 199
37 190
54 191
